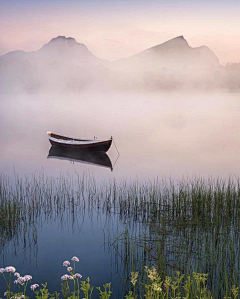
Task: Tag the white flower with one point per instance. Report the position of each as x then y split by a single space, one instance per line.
64 277
16 274
69 269
16 297
66 263
75 259
34 286
20 281
27 277
5 294
10 269
77 275
2 270
70 277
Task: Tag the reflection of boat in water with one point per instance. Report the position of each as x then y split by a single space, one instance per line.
81 144
74 155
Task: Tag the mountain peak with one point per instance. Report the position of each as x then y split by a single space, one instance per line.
176 44
61 44
179 37
172 54
66 50
177 41
62 37
68 41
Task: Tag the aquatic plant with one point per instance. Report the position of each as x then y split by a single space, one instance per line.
74 277
178 286
21 281
190 225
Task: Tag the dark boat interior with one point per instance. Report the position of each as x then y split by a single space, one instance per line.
66 138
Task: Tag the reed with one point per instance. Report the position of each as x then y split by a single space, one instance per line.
191 225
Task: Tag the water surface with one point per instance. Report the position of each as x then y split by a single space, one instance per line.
165 134
157 135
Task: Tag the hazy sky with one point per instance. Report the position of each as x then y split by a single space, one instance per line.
114 29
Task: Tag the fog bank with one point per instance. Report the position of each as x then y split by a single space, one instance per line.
64 65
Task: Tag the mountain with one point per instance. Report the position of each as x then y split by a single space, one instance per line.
173 54
59 65
64 50
16 55
63 65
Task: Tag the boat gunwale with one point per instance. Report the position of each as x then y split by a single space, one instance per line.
61 139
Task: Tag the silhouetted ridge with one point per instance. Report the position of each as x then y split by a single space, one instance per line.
66 50
176 42
63 39
16 55
173 54
64 64
62 42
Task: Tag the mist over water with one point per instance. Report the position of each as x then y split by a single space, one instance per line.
168 134
157 134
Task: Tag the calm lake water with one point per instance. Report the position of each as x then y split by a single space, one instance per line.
166 134
157 135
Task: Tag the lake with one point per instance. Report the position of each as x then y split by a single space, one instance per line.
165 134
159 135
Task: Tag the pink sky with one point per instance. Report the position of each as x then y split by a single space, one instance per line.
113 30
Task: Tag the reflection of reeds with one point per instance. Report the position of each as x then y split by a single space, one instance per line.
190 225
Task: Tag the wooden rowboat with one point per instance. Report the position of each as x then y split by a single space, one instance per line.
81 144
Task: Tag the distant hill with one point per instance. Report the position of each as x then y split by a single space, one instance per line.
64 65
173 54
60 65
66 50
171 65
60 49
17 55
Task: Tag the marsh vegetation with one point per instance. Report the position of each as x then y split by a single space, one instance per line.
190 225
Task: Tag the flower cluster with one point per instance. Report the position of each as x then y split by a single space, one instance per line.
73 275
22 279
66 277
7 269
66 263
75 259
34 286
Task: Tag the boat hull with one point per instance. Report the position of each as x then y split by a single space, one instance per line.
96 147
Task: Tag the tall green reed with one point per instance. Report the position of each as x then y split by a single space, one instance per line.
187 225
